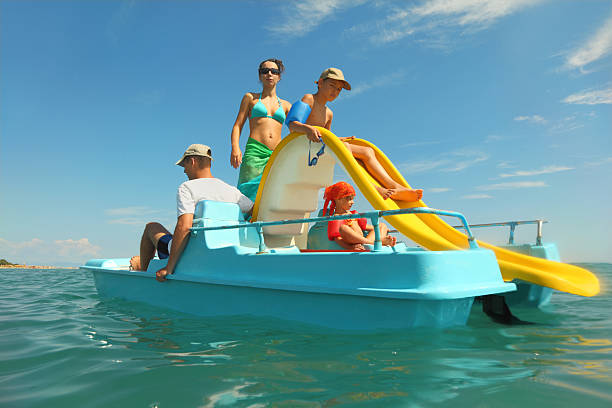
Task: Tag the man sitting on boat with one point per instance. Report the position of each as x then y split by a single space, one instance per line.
201 185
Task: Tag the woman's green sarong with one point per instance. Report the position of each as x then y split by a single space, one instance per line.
254 160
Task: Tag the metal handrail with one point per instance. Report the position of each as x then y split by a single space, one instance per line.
372 215
512 225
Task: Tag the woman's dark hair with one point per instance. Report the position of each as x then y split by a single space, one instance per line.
278 63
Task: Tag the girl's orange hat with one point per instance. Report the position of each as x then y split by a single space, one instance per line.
335 192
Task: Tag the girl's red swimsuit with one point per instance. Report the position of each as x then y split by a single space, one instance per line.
333 226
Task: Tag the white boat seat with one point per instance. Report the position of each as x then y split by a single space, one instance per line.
215 213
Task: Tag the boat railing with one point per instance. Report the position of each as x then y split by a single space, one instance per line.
512 225
374 216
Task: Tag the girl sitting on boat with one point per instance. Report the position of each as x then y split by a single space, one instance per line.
266 113
353 233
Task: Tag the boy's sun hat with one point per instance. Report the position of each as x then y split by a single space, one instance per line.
335 73
196 150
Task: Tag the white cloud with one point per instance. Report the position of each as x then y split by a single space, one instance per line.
11 247
471 12
120 19
568 123
436 22
461 160
572 122
438 190
79 247
600 162
417 144
39 252
505 165
429 21
137 215
130 211
513 185
302 17
566 126
494 138
130 221
544 170
591 97
531 119
381 81
423 165
476 196
449 162
597 47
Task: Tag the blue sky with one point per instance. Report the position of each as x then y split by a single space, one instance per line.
497 109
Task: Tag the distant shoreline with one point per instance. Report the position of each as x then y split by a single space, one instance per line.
36 267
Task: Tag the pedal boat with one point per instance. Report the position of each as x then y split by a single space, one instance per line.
527 294
227 269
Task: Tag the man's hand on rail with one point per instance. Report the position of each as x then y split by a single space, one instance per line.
161 274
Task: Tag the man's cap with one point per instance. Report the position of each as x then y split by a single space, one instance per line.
196 150
335 73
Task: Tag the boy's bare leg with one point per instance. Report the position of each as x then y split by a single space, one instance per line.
148 243
407 194
393 189
385 192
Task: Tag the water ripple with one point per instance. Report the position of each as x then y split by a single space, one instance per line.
64 346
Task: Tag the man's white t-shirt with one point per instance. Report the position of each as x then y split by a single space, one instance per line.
192 191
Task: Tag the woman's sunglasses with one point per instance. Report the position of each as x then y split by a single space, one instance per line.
264 71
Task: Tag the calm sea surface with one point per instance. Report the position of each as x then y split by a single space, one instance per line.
61 345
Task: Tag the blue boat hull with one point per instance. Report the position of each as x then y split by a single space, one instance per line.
224 273
343 312
529 294
349 291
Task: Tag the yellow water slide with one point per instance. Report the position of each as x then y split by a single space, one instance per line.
289 184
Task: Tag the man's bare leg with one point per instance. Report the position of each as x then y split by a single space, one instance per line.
148 244
135 263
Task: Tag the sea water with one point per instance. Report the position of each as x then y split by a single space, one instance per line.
61 345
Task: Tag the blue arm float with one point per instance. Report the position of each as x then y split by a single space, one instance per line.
299 112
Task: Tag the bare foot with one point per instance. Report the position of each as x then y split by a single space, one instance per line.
135 263
389 240
406 194
385 192
358 247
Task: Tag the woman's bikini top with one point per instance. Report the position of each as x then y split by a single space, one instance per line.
260 111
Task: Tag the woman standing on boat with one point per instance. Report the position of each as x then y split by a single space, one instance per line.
266 113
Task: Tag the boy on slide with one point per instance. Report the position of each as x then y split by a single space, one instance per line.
349 234
312 111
